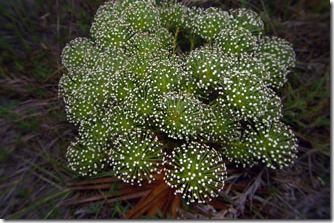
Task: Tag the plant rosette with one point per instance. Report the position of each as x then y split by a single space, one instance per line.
179 91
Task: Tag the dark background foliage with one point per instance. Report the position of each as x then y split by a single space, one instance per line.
34 133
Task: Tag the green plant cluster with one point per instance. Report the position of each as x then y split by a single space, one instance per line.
161 88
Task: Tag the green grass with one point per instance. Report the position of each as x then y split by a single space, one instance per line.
34 132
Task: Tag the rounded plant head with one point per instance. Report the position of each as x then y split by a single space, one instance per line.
89 97
151 45
278 57
251 64
107 12
273 144
122 85
223 127
120 120
166 74
137 156
87 158
142 16
109 29
247 19
174 15
96 131
81 108
110 61
113 34
180 115
236 40
279 48
69 84
79 53
209 22
196 171
142 101
246 97
206 66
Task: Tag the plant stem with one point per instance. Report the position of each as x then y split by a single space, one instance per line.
175 39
